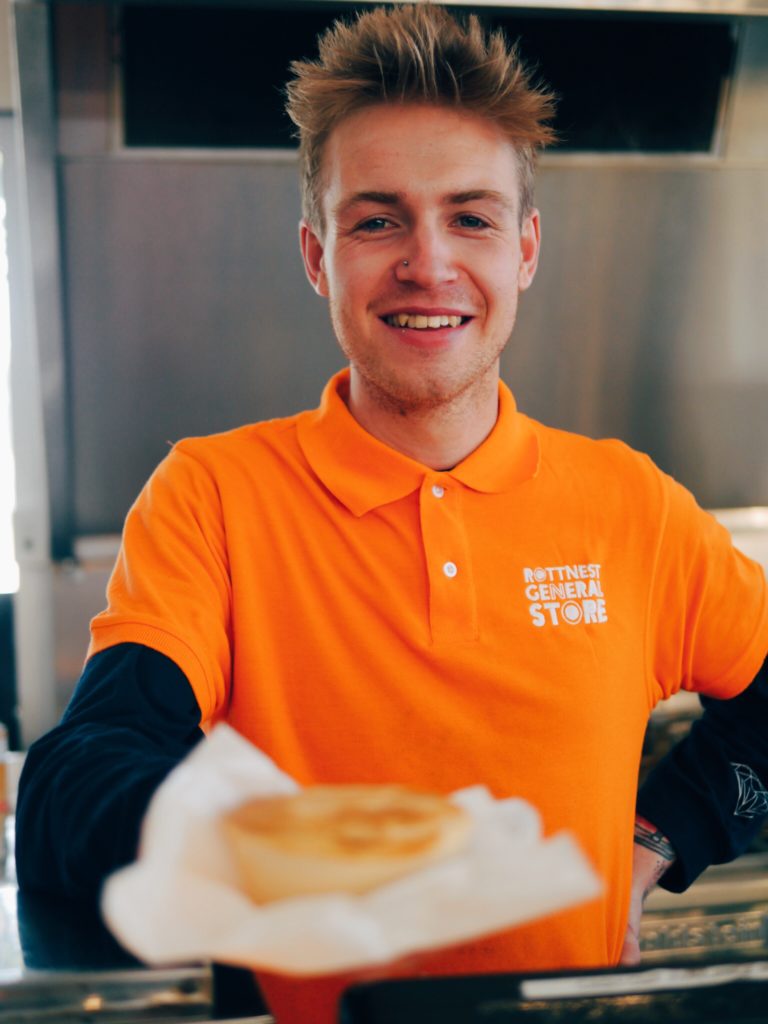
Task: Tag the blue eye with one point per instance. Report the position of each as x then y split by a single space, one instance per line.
468 220
374 224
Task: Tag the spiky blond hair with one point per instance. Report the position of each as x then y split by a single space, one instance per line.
415 53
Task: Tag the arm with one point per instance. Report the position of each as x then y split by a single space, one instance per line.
87 783
652 856
707 799
709 795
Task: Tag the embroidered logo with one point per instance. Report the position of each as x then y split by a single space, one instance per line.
752 800
565 593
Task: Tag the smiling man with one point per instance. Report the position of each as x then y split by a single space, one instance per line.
415 582
423 254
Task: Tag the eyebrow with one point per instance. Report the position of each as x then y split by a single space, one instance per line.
453 199
357 198
473 195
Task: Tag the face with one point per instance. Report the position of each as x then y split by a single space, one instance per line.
437 188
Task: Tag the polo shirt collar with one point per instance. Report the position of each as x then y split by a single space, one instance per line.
364 473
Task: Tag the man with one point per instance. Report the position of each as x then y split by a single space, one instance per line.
415 582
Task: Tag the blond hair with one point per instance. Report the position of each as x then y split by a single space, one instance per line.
415 53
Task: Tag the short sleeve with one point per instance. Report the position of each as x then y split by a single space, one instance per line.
708 608
170 588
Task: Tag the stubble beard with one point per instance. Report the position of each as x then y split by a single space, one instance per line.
418 395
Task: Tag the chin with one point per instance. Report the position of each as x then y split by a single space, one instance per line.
419 397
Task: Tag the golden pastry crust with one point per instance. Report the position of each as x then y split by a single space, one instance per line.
339 838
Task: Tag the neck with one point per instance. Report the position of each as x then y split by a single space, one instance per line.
439 436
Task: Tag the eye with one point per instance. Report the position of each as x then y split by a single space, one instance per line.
374 224
470 220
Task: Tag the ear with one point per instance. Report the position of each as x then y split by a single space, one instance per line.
312 254
530 244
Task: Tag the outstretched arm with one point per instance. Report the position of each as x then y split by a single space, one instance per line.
86 784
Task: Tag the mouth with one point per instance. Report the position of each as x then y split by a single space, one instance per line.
424 322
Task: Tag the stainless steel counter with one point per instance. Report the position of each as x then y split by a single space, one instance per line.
724 914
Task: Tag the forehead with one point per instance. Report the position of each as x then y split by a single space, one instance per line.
419 151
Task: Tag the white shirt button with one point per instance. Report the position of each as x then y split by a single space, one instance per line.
449 569
438 491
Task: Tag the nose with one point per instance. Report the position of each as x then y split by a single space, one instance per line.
428 258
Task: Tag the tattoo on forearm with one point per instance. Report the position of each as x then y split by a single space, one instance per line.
653 840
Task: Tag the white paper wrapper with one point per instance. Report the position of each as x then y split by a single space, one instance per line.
179 901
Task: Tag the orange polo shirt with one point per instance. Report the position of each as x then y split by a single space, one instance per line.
512 621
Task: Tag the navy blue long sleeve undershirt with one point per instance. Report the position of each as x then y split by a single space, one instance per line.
86 784
709 794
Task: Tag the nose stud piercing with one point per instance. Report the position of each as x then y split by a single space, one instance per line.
405 263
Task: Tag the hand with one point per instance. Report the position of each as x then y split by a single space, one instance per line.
652 856
630 951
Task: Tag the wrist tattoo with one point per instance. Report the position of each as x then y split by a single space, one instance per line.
649 836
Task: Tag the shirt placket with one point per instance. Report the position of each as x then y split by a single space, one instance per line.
452 598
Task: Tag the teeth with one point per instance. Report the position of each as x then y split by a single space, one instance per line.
418 321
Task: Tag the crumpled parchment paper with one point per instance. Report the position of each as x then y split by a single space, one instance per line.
180 902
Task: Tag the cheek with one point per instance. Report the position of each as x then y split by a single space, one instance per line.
503 293
359 281
496 272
